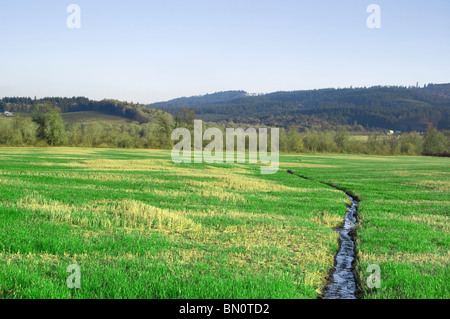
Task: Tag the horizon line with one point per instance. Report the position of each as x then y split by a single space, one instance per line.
247 93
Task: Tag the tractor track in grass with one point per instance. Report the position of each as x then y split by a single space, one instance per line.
341 283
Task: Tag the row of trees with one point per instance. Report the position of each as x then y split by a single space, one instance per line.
432 142
46 127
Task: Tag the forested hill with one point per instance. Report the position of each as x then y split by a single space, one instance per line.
437 89
195 101
134 112
395 108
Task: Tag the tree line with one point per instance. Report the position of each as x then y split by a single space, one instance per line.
46 127
433 143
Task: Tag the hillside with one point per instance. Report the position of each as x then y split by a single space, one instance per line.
196 101
112 110
396 108
91 117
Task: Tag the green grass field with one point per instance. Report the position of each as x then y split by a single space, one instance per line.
404 219
140 226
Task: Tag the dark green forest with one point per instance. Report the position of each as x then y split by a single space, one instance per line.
388 108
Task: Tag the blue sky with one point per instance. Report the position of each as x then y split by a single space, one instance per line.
147 51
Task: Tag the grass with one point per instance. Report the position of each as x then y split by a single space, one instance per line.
92 117
404 219
140 226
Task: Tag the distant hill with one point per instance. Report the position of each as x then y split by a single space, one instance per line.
195 101
83 108
392 108
396 108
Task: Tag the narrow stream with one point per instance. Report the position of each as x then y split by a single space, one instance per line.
342 284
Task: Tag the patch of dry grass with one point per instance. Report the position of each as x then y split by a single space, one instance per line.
127 214
441 186
417 258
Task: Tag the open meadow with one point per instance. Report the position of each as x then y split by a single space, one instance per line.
404 220
140 226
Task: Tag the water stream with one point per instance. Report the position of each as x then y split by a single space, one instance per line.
342 283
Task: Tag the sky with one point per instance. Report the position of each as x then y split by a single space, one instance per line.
149 51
